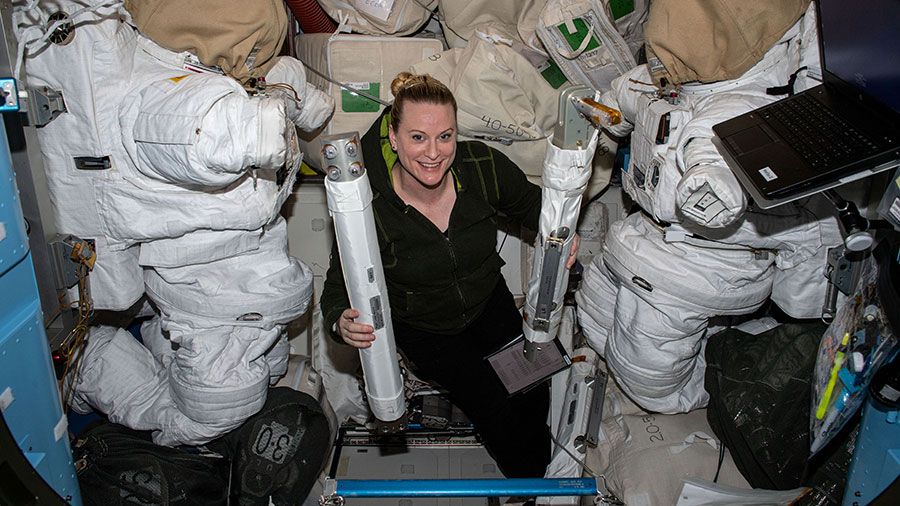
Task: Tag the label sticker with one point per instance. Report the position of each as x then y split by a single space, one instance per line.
574 39
377 314
620 8
655 64
381 9
551 73
768 174
2 231
354 102
6 398
895 209
61 426
703 204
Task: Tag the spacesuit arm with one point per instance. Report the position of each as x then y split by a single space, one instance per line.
708 193
334 298
204 130
624 96
307 106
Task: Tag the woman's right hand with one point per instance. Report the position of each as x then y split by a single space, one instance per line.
358 335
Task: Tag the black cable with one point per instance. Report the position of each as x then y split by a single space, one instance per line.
721 459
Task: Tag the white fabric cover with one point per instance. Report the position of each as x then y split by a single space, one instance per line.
262 288
340 368
311 107
108 50
700 279
665 294
564 179
120 378
190 203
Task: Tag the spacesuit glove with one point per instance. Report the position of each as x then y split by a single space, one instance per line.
710 196
307 106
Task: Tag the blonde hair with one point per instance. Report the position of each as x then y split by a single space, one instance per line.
417 88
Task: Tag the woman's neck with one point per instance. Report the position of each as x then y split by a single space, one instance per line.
435 203
411 189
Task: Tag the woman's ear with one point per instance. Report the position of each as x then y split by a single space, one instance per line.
392 137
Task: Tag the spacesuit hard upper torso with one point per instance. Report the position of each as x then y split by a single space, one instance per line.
185 178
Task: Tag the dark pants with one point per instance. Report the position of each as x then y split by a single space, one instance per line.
514 429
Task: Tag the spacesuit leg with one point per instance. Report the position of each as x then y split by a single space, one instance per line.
596 302
277 358
156 341
227 320
656 353
119 377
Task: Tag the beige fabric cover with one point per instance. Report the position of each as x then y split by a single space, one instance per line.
714 40
240 37
460 17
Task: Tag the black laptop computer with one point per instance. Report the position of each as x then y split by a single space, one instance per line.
842 130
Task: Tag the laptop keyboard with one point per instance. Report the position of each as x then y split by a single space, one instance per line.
820 137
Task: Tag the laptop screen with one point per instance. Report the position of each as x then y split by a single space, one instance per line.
860 43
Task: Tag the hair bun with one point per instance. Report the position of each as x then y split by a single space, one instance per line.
405 80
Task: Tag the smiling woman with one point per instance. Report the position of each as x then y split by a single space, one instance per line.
435 203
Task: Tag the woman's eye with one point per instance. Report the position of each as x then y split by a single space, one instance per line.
446 136
417 137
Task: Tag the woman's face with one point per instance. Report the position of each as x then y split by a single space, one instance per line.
426 141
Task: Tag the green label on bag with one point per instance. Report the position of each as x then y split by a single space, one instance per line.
620 8
552 74
575 39
354 102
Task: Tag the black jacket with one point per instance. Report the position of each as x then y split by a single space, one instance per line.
439 283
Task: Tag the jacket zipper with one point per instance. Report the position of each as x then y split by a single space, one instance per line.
462 297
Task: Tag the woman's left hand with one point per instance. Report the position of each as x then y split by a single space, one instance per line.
576 241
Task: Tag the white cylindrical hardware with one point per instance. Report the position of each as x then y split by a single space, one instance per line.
350 204
567 169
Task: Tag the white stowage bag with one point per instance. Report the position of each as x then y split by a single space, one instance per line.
385 17
460 18
583 39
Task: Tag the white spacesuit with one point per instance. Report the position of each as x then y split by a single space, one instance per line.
698 249
177 174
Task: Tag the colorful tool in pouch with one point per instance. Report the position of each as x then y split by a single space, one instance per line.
832 379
